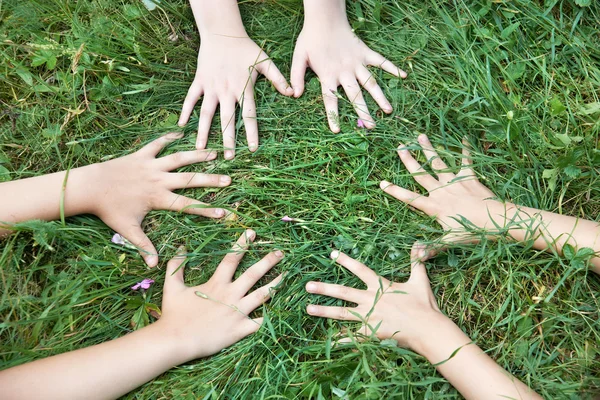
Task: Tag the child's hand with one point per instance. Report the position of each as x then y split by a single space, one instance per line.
401 311
338 57
227 70
451 196
122 191
207 318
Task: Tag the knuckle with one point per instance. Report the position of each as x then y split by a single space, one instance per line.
343 313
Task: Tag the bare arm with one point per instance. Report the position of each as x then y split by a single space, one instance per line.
191 326
120 192
408 313
454 196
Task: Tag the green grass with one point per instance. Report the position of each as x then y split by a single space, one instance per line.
471 64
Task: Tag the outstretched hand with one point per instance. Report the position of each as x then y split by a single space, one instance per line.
207 318
340 58
122 191
388 310
450 196
227 71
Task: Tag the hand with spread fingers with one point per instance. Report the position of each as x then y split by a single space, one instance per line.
228 65
121 192
454 197
450 196
330 48
214 315
386 309
196 321
408 313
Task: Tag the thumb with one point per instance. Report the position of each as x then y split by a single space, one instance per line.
175 268
297 72
134 233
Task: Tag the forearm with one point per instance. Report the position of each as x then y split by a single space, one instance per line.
104 371
324 12
220 17
550 230
472 372
40 197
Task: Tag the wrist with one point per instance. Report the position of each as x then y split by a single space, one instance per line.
218 18
440 340
77 190
324 13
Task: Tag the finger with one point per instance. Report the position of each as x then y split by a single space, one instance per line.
207 112
229 264
377 60
183 158
178 203
340 313
228 127
418 272
370 84
437 164
134 233
248 106
272 73
193 94
406 196
337 291
297 73
259 296
250 326
328 90
174 274
258 270
416 170
467 161
182 180
154 147
364 273
355 96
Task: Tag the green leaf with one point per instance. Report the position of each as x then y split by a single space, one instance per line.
556 106
509 29
572 171
4 174
568 251
583 3
590 108
552 176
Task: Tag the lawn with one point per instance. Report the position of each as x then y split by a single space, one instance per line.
85 81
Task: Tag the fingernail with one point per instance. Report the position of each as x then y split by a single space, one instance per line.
311 309
250 234
219 212
181 124
200 145
212 155
384 184
387 108
422 138
334 254
152 261
311 287
402 149
279 253
181 250
225 180
229 155
252 146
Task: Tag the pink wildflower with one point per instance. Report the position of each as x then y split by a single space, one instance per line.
145 284
360 123
287 219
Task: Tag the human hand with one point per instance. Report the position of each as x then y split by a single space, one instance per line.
207 318
389 310
339 57
451 196
228 67
122 191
